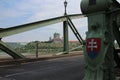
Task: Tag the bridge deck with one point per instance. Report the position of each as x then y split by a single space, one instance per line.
63 68
70 68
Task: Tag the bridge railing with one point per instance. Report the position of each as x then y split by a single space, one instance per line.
38 49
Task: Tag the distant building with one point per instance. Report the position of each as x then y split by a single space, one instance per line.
75 42
56 38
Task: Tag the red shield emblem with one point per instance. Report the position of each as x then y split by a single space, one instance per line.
93 47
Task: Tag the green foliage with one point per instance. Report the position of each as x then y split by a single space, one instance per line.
43 47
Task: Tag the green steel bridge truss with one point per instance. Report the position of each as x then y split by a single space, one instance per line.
30 26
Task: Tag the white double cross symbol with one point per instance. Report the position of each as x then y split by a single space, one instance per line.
92 45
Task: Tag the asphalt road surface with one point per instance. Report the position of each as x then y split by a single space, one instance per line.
70 68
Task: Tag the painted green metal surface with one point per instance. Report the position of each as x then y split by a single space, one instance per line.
116 25
116 33
75 31
10 51
99 68
98 49
93 6
30 26
65 36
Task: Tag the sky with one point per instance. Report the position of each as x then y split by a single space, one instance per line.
17 12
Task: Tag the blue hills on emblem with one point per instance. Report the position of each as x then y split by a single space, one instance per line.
92 54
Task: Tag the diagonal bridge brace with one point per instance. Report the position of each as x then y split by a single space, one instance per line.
27 27
10 51
75 31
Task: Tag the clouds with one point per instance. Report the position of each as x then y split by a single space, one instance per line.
9 9
16 12
47 9
36 9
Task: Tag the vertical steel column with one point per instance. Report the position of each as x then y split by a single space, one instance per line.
98 49
65 37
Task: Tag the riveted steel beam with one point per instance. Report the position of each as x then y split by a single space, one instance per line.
30 26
